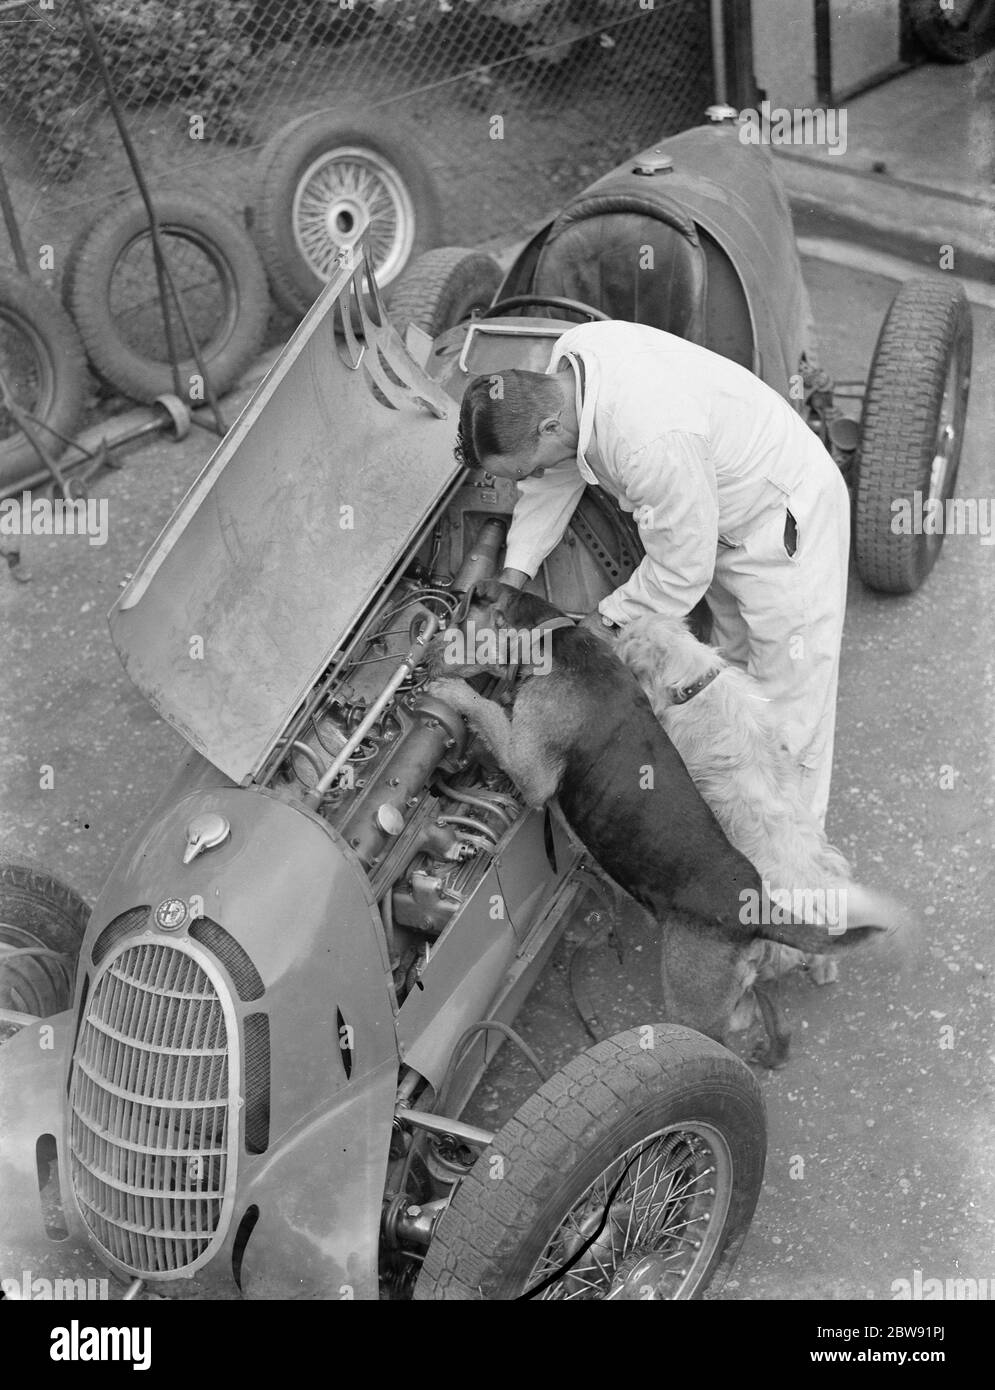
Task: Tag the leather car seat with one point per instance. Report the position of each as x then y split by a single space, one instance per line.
634 262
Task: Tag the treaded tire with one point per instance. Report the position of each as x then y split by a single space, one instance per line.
945 41
283 169
38 909
443 288
57 363
187 223
926 336
601 1103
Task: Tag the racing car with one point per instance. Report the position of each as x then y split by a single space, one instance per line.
245 1071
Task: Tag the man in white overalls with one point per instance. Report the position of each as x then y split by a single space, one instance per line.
734 496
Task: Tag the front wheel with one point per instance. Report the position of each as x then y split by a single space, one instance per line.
42 924
633 1173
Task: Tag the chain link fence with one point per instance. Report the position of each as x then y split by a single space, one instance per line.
512 104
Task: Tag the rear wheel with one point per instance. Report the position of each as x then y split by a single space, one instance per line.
443 288
42 923
633 1173
911 434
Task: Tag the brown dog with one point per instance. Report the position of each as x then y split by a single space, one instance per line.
580 728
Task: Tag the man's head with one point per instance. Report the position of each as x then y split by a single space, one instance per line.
516 424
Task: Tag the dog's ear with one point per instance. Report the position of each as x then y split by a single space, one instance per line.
488 591
496 598
504 599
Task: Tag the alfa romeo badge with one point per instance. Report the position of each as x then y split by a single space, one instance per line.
171 914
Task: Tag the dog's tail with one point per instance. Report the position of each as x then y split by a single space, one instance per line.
858 916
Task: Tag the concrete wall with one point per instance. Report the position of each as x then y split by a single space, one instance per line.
864 40
784 51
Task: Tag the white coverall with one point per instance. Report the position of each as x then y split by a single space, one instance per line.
710 460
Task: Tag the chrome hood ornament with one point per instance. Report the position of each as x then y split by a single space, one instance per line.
205 832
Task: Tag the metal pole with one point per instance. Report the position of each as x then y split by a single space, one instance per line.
823 53
13 230
719 52
164 275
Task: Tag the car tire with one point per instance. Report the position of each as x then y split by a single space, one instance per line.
531 1190
323 167
947 41
38 912
916 390
45 365
442 288
203 243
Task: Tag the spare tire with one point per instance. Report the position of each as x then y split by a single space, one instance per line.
111 289
443 288
43 361
320 180
953 33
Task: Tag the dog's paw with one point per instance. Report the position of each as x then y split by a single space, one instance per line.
771 1055
823 970
455 693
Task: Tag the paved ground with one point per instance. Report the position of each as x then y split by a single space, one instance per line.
879 1130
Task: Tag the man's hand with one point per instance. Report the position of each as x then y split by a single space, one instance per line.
593 622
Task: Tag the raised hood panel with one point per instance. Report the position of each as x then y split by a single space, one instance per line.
263 569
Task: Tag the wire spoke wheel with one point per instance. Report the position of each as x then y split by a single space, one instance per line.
632 1173
665 1200
343 192
323 182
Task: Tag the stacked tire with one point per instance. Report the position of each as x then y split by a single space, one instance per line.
110 287
44 368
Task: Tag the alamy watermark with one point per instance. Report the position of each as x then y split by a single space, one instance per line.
502 646
55 516
954 1290
31 1287
784 907
932 516
798 125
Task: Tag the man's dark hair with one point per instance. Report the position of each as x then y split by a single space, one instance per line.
501 413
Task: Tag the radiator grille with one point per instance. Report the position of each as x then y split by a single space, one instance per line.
131 921
150 1110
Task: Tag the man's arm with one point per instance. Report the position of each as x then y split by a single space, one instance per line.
671 484
542 513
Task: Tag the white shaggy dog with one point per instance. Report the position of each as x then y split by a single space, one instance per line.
717 719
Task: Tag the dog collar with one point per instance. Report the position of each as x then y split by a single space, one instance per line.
553 624
688 692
